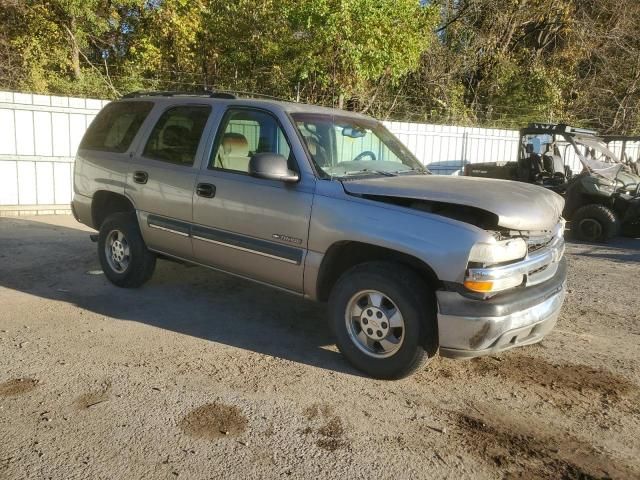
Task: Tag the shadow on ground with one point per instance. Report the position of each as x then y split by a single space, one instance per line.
54 262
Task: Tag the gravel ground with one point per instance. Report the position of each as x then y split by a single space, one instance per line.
201 375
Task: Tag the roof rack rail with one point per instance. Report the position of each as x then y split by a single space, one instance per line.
201 93
253 95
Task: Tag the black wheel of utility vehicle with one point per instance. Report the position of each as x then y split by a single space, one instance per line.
124 257
384 317
594 223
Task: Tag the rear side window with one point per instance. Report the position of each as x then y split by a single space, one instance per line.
115 126
176 136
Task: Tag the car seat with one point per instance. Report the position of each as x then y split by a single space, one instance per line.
233 153
318 152
530 167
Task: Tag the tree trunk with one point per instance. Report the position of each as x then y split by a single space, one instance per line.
75 50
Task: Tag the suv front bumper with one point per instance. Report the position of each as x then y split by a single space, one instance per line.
470 328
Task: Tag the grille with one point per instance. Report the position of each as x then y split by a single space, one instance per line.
536 243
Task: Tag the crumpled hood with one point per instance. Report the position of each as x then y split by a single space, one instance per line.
518 206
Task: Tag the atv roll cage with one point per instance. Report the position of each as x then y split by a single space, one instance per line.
591 151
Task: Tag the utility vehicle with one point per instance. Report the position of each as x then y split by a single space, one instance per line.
602 199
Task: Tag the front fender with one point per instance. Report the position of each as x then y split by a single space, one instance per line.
441 243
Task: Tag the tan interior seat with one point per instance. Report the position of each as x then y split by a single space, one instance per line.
233 153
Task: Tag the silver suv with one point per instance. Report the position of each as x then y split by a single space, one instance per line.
328 205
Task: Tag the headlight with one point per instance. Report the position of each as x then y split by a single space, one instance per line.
498 252
491 254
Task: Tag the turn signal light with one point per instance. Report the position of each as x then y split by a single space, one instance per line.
475 286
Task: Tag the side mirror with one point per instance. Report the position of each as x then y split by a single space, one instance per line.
271 166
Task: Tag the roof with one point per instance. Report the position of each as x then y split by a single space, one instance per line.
229 98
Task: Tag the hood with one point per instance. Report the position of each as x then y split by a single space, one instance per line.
518 206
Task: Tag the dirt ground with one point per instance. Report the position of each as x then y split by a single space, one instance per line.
201 375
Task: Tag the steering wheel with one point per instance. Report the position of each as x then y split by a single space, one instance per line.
366 153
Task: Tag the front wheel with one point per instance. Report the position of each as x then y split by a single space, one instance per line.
124 257
383 317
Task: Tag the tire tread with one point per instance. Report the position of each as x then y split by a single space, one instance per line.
604 215
420 296
144 261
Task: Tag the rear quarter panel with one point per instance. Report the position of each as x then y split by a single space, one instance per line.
96 170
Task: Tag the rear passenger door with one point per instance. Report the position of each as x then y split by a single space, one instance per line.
163 175
252 226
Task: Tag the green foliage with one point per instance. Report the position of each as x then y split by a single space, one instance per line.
490 62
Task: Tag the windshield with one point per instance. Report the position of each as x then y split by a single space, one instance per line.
343 146
598 158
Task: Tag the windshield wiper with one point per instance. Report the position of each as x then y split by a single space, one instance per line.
412 170
369 170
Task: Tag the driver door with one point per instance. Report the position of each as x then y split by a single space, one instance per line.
250 226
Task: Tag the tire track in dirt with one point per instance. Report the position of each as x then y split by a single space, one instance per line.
567 383
521 450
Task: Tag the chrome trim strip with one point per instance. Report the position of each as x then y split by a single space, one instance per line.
165 229
197 237
245 243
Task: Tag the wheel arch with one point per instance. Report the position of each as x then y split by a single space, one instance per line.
344 255
105 203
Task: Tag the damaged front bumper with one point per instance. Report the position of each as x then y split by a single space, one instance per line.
470 328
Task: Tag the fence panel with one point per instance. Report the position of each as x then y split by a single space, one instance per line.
445 150
39 135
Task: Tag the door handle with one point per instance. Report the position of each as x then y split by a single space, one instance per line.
206 190
140 177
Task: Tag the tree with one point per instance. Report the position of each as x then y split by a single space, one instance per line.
63 44
481 62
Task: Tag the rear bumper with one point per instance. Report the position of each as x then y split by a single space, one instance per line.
471 328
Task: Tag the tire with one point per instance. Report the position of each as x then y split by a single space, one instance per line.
594 223
401 290
131 264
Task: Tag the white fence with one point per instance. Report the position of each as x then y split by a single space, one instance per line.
39 135
446 149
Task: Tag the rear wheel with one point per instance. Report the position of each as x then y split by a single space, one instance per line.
594 223
124 257
383 317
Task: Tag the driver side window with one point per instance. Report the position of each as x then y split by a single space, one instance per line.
243 133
